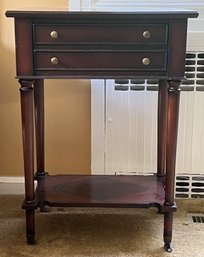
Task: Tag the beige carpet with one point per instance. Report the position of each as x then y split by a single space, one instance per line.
99 232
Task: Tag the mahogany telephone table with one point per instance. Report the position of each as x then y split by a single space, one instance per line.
61 44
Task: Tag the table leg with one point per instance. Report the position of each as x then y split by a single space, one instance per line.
162 123
39 125
168 226
26 91
172 128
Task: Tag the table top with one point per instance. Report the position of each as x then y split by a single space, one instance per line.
140 12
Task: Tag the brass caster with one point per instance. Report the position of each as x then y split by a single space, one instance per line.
168 248
44 208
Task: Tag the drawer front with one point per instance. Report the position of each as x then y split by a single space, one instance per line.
155 61
101 34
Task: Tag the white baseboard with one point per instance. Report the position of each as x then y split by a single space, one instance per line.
11 185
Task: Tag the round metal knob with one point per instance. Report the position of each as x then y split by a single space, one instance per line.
146 61
54 60
54 34
146 34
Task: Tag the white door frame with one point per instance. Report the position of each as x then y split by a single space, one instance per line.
79 5
98 119
74 5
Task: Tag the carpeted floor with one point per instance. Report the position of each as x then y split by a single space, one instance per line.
99 232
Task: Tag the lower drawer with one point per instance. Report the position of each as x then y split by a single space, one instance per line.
81 60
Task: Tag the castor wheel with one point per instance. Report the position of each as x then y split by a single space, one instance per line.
44 208
168 248
31 239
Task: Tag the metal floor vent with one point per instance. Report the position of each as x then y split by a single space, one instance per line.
196 217
189 186
194 72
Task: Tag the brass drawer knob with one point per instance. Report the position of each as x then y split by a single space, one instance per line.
146 34
54 34
54 60
146 61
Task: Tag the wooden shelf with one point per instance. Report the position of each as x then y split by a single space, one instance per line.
101 191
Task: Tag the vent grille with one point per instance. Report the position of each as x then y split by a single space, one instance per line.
194 73
196 217
189 186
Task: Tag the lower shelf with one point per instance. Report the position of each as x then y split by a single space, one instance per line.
100 191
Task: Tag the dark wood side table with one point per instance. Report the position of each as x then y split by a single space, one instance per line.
61 44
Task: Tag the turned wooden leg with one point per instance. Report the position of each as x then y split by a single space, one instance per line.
39 125
39 128
26 91
172 128
162 123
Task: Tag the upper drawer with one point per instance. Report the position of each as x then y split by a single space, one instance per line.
101 34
